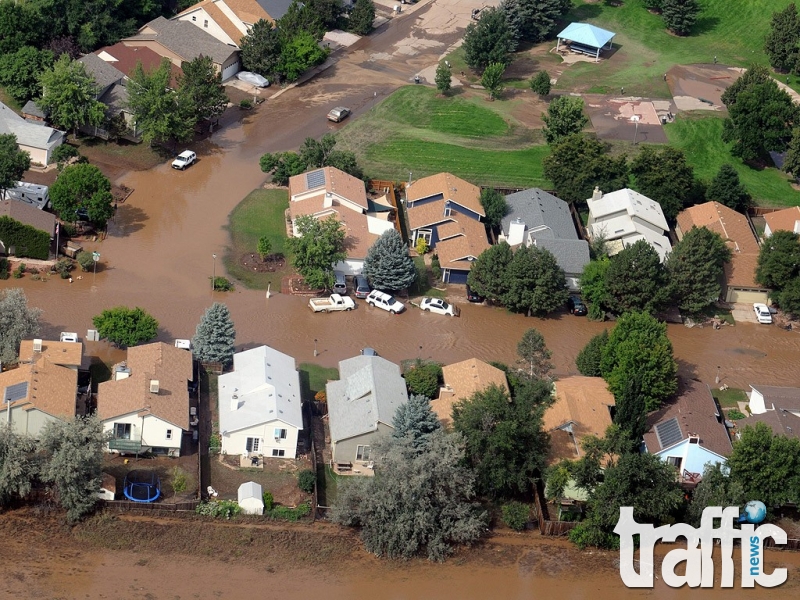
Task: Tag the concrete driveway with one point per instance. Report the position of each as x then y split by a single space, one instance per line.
743 313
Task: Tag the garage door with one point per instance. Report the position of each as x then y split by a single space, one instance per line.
746 296
230 71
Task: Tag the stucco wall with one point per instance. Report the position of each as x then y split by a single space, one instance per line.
236 442
345 450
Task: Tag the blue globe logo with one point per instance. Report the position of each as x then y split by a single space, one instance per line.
754 512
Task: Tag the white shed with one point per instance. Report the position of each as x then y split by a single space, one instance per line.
250 498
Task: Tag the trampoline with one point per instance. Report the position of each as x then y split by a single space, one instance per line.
142 486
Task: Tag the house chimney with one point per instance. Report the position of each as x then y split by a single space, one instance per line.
235 402
154 386
516 232
797 226
37 345
328 202
597 194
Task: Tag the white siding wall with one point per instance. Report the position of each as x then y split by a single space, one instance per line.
200 17
30 422
236 442
757 402
39 156
351 266
151 430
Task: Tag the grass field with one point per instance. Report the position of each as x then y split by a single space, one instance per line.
260 213
313 378
700 139
729 398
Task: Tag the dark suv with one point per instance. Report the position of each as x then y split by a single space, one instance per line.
472 296
576 306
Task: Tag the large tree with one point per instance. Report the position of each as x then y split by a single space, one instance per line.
282 166
540 83
19 466
301 17
636 280
664 176
362 16
631 410
20 72
201 87
315 154
789 298
421 502
17 322
70 95
494 205
261 49
761 116
299 53
590 358
492 79
215 336
83 187
639 346
535 282
125 326
317 247
505 441
791 164
534 20
13 162
416 421
564 117
781 44
728 190
716 488
680 15
577 164
488 41
534 357
443 77
594 289
21 25
778 259
694 269
388 265
487 277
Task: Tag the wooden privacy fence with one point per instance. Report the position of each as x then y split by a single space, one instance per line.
546 526
126 505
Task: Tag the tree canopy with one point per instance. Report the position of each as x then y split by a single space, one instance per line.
594 289
540 83
494 205
716 488
20 71
261 49
680 15
215 337
201 87
125 326
535 283
534 20
361 17
781 43
423 379
695 267
416 421
70 95
443 77
313 154
83 186
590 358
564 117
728 190
664 176
317 247
778 259
636 280
388 265
789 297
489 40
534 357
13 161
631 410
17 322
492 79
488 274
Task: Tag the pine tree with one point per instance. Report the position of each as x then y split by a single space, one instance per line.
443 77
388 265
415 420
631 412
215 336
680 15
489 40
534 355
540 84
589 359
728 190
781 44
362 17
791 163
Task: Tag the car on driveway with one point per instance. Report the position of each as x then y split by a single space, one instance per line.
361 286
253 79
438 306
762 313
184 159
472 296
385 301
338 114
576 306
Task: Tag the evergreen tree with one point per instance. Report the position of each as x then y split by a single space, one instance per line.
631 410
416 420
215 336
594 290
13 161
489 40
487 277
590 357
726 189
564 118
664 176
695 268
362 17
443 77
636 280
778 260
534 355
540 83
494 205
535 283
388 265
492 79
534 20
680 15
791 163
201 87
70 95
17 322
261 49
782 40
19 466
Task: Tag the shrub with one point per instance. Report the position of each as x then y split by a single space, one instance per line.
590 534
321 396
735 414
27 241
68 229
516 515
436 267
306 480
222 284
63 267
224 508
214 443
284 513
85 260
269 501
3 268
180 480
18 272
62 154
422 246
245 103
423 379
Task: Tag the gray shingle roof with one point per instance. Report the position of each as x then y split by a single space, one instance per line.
275 8
28 133
105 74
116 99
31 108
187 41
571 255
369 392
545 215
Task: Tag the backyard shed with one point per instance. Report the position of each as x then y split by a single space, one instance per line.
250 498
585 38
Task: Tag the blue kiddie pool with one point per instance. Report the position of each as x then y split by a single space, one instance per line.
142 486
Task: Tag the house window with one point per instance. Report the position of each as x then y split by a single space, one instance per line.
122 431
205 23
194 18
280 434
253 444
169 434
424 234
675 461
278 453
362 453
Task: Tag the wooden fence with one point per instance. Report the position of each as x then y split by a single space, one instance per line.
546 526
126 506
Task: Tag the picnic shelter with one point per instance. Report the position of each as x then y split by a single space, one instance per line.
586 39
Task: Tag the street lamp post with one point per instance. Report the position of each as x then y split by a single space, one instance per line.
635 119
213 273
95 258
315 347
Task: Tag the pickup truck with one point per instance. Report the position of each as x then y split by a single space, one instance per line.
335 302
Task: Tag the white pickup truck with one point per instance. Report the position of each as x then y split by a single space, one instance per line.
335 302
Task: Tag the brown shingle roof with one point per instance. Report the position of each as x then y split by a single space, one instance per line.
28 215
127 57
779 397
249 11
451 187
783 220
68 354
734 229
51 387
585 403
780 421
697 415
471 242
170 366
336 181
461 381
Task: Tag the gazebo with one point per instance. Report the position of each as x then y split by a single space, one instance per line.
586 39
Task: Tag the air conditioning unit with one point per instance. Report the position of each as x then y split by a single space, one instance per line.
92 335
37 345
154 386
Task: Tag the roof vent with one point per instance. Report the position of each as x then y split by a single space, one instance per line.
154 386
37 345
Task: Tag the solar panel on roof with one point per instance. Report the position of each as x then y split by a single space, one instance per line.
669 433
15 392
315 179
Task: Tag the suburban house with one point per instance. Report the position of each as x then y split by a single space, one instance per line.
111 91
461 381
329 192
777 407
125 58
182 42
740 271
624 217
145 406
446 212
787 219
583 406
260 411
540 219
362 405
33 137
28 215
43 388
689 432
230 20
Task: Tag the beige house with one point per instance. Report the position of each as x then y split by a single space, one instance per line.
740 271
33 137
461 381
787 219
230 20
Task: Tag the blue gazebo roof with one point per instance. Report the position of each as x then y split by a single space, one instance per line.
586 34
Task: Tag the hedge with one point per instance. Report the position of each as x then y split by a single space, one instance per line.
28 241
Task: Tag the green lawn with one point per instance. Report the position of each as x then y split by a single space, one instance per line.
701 141
422 285
729 398
313 378
260 213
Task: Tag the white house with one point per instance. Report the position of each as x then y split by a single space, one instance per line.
145 406
624 217
250 498
260 409
776 407
230 20
33 137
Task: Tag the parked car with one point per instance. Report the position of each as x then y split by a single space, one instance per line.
338 114
472 296
762 313
184 159
253 79
368 352
576 306
438 306
361 286
385 301
68 336
339 283
332 304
